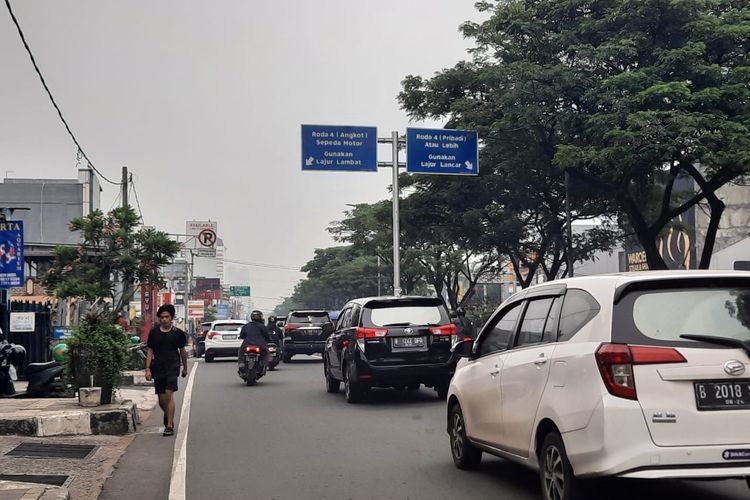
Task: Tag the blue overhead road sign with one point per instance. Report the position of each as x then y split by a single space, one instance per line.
441 151
339 148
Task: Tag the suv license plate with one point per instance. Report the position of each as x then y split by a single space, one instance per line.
229 337
723 395
407 342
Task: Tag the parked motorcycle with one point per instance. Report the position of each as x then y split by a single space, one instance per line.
138 354
275 356
45 379
252 367
12 358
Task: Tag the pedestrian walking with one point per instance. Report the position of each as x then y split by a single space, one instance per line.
166 352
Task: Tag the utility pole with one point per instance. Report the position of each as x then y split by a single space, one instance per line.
379 293
127 285
124 185
395 143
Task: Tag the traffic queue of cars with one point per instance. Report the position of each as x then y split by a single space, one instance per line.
640 375
632 375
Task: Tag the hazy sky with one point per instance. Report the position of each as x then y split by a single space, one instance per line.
203 101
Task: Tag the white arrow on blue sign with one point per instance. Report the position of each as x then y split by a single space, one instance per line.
339 148
442 151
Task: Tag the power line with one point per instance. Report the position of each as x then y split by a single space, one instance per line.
51 98
117 200
137 201
268 266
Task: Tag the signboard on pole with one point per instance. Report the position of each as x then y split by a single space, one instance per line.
441 151
195 309
203 237
222 311
11 254
22 322
339 148
239 291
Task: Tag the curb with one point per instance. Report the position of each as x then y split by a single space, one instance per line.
135 379
111 420
33 491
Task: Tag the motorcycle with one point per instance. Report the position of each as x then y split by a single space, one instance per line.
275 355
138 354
252 367
45 379
12 357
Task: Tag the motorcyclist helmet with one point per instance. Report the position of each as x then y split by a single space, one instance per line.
256 316
272 319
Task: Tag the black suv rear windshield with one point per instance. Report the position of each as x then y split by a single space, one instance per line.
406 313
305 317
661 316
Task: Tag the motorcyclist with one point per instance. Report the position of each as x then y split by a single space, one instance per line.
255 333
275 332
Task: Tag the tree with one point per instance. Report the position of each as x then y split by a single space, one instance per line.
334 276
628 96
114 249
210 314
435 242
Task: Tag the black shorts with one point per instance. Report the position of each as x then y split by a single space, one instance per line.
166 383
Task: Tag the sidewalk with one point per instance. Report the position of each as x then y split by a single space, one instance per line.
79 476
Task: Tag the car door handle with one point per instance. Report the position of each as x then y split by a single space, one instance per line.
541 361
495 371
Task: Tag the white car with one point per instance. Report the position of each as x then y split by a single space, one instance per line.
639 375
223 339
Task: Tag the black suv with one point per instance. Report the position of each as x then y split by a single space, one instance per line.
305 332
399 342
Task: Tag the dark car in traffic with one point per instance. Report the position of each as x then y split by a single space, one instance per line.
199 339
400 342
305 332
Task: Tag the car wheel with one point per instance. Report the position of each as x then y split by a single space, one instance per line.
332 385
466 456
555 471
354 391
209 358
287 358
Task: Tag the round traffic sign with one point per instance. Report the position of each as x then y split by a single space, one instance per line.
207 238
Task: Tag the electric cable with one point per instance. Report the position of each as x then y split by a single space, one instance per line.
51 97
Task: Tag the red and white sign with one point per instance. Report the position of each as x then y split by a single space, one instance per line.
196 309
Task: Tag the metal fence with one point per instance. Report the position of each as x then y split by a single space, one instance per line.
36 343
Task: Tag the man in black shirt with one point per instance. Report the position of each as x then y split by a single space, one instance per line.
166 351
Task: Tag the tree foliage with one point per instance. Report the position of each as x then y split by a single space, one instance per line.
334 276
627 95
114 249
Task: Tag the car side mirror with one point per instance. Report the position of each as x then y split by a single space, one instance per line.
463 349
327 328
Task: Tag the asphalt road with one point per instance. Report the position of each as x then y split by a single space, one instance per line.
286 438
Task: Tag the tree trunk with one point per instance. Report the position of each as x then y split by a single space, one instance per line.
717 209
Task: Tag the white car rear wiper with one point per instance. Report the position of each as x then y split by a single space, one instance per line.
727 341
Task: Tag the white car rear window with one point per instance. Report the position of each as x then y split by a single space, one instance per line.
227 327
720 312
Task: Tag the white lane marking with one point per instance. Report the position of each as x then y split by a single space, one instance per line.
179 460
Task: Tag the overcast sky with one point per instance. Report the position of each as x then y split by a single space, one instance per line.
203 101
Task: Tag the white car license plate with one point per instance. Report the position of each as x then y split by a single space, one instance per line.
229 337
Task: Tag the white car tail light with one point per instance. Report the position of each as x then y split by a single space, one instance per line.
616 363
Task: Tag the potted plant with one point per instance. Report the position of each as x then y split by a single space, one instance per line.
98 354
